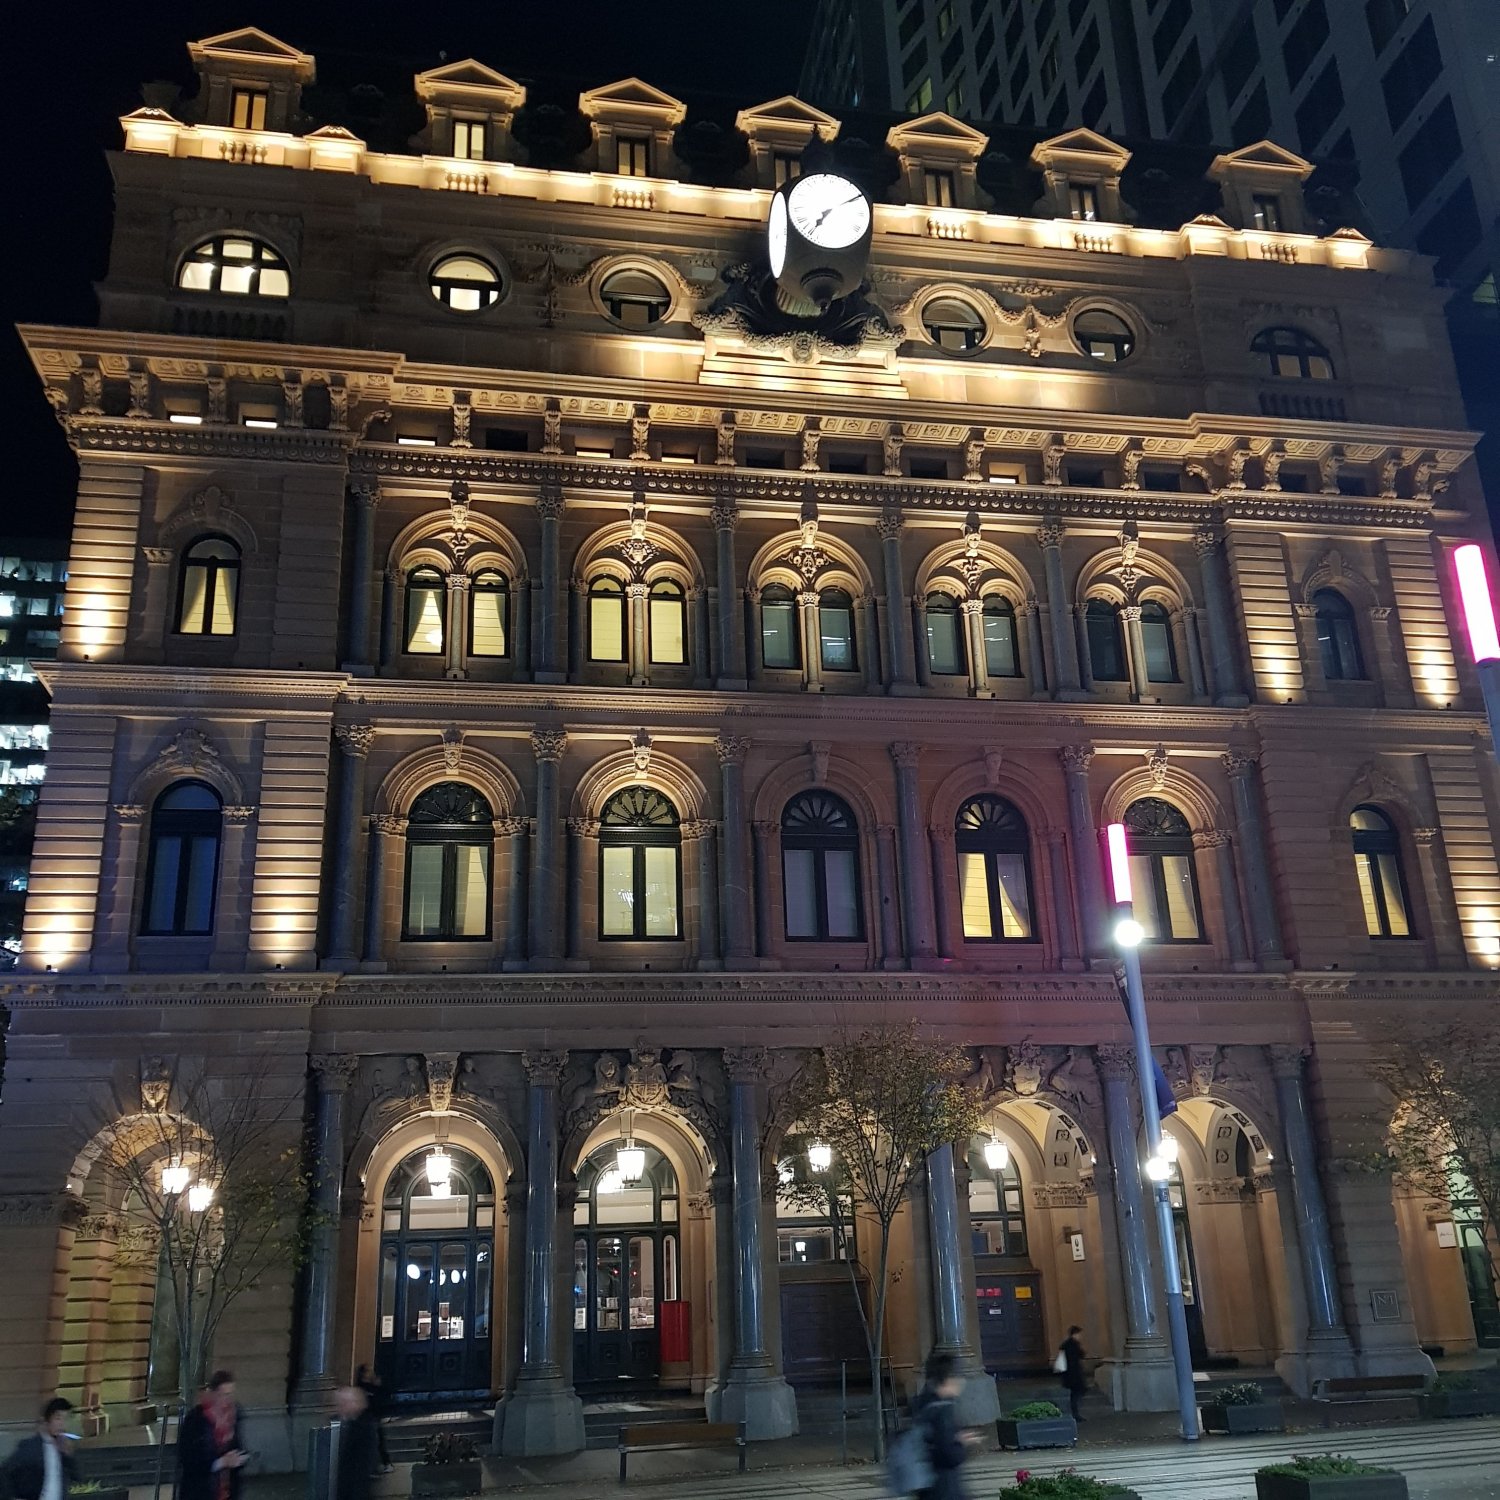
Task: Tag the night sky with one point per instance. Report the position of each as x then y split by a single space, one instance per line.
85 66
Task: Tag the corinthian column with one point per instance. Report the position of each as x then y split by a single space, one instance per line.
1076 760
366 497
548 746
354 741
1222 638
549 657
729 614
1049 538
900 666
1265 926
916 858
735 903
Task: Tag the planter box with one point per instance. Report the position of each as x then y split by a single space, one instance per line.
1331 1487
108 1492
1264 1416
1044 1432
1461 1404
440 1481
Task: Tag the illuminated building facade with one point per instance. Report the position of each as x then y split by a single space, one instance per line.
519 685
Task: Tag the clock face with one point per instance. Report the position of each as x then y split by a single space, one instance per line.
776 234
828 211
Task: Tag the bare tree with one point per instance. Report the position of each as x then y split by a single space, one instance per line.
882 1099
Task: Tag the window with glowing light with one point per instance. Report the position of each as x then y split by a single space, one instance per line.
632 156
946 655
1377 868
426 612
182 863
1106 641
997 1211
1156 637
836 631
994 871
450 835
468 139
1103 336
1163 881
953 324
489 614
820 869
640 867
208 587
780 638
815 1220
465 283
1293 353
607 625
999 623
247 109
237 265
667 623
635 298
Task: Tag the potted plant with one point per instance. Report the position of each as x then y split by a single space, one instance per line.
1458 1396
1037 1424
1328 1476
1242 1407
449 1467
93 1489
1067 1485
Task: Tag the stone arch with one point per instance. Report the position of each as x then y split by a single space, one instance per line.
1015 783
1331 570
843 777
208 510
1187 793
1159 580
142 1133
655 553
693 1155
189 755
426 540
428 766
376 1155
675 779
834 562
999 572
1370 784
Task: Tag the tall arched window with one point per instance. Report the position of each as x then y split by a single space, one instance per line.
1101 622
1377 866
820 869
182 866
1156 635
945 641
236 264
999 621
1163 882
780 640
640 867
836 631
489 614
1292 352
208 592
607 633
994 870
426 611
449 835
1338 637
997 1215
668 632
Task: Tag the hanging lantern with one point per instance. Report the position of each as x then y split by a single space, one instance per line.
175 1178
996 1155
630 1161
1168 1148
199 1197
439 1168
820 1156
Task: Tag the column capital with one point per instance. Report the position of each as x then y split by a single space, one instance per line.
746 1064
158 557
765 828
1239 762
459 582
889 523
387 823
971 606
1210 838
510 827
725 514
731 749
808 599
699 828
907 754
130 812
1076 759
550 503
584 828
365 492
1425 838
1288 1059
1115 1063
1207 537
637 590
1050 533
548 745
544 1068
355 740
394 575
335 1070
238 816
1130 613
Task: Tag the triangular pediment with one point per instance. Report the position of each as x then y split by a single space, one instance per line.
251 43
469 77
787 115
939 134
1262 156
1081 148
631 98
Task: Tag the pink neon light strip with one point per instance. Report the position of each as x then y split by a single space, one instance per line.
1119 862
1479 607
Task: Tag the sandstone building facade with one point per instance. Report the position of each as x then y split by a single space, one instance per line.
518 688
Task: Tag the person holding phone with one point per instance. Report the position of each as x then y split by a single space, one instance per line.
210 1445
42 1466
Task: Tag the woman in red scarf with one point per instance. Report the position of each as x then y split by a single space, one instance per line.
210 1453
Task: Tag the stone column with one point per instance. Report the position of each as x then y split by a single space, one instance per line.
236 873
516 830
1087 873
637 652
354 741
916 862
921 647
390 608
700 652
548 746
729 615
754 666
1135 650
1223 643
1068 952
1329 1352
458 623
735 902
1143 1377
944 866
765 836
521 628
947 1224
1190 650
365 497
544 1415
888 897
385 834
114 924
1265 927
1437 888
900 668
1080 619
549 656
812 644
583 861
979 667
701 837
865 651
1028 623
1217 842
158 612
755 1392
1066 681
316 1376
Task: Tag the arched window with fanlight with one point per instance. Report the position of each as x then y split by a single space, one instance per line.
820 869
182 863
1338 637
640 867
1156 637
1377 866
1106 641
450 834
836 631
945 635
998 620
607 629
780 639
668 623
489 613
994 871
209 588
426 611
1293 353
1163 882
237 265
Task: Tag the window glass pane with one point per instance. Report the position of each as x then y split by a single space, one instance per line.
999 644
1362 869
194 599
607 1284
669 1268
661 892
843 896
642 1270
388 1272
942 640
418 1276
452 1293
202 856
581 1277
197 276
984 1195
274 282
1390 886
489 622
801 908
617 895
483 1272
1182 909
226 581
1015 900
667 644
974 896
778 625
471 890
424 889
836 626
607 628
424 620
161 914
235 278
1157 636
1143 895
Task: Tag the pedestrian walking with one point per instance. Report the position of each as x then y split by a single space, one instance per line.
357 1444
210 1444
1075 1382
42 1466
948 1445
374 1388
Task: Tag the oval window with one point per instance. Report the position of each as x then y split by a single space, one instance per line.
635 298
465 283
1103 336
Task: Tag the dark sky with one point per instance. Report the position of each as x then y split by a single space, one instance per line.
86 65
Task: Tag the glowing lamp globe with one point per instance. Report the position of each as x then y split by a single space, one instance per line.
996 1155
819 1156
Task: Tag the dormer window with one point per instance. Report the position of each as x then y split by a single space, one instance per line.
784 167
247 109
468 140
1083 202
632 156
1265 212
939 189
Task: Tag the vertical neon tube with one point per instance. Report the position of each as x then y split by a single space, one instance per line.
1479 605
1118 858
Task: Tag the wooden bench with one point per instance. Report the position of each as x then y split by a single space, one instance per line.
1377 1398
671 1437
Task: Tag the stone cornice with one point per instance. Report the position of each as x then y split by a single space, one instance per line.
131 683
297 444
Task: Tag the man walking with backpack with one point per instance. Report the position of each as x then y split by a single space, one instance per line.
933 1416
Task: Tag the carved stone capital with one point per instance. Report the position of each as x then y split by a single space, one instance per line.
1206 538
1239 762
335 1070
239 816
584 828
1425 838
365 493
544 1069
42 1209
1288 1059
731 749
549 744
158 557
746 1064
1076 759
1114 1062
458 583
387 823
130 812
907 754
1210 838
888 525
1050 533
550 503
355 740
725 514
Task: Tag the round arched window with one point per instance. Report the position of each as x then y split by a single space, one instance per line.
465 283
953 324
236 264
1103 336
635 298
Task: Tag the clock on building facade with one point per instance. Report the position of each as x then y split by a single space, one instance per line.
818 240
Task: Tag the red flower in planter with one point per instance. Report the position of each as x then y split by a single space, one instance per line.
1022 1475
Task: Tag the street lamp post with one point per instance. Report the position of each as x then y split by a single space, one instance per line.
1479 619
1128 935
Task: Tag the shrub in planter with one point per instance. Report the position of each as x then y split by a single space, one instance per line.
1458 1396
1243 1408
1328 1476
93 1489
1037 1424
449 1467
1067 1485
